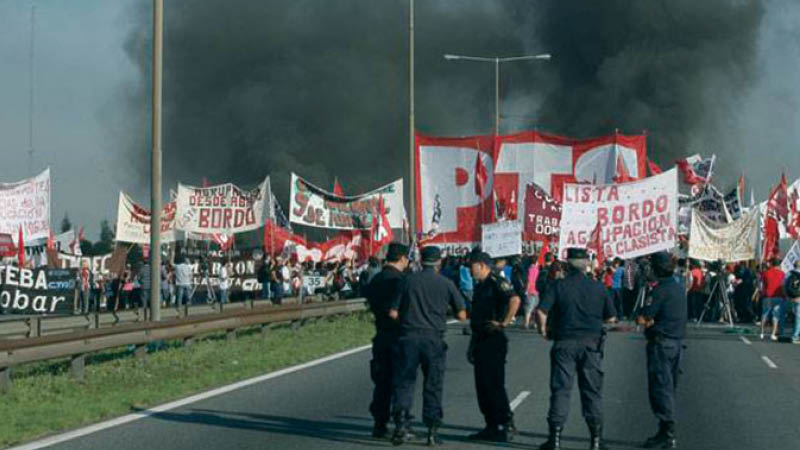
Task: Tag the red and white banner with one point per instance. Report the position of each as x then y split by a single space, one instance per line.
635 219
542 215
133 222
455 196
7 246
697 170
315 207
26 204
224 208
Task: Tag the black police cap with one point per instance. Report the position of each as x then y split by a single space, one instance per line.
480 257
431 254
396 251
577 253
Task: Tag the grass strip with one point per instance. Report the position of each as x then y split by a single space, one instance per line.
44 400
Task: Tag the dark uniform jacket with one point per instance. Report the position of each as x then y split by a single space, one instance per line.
423 299
380 293
577 307
667 307
490 301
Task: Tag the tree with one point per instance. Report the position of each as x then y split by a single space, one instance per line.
66 225
87 248
106 243
135 256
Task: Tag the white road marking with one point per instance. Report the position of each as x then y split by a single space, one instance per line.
769 362
46 442
520 398
745 340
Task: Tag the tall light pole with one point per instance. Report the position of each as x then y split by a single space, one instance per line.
496 61
155 166
412 187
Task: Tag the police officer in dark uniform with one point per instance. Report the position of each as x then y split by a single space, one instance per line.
380 293
494 305
664 318
420 307
577 307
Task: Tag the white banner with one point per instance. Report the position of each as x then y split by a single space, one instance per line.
791 257
26 204
636 219
712 241
224 208
502 238
316 207
133 222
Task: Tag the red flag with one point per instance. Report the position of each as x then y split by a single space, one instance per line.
481 177
21 249
654 169
337 188
771 249
51 245
545 250
596 243
381 233
778 204
741 189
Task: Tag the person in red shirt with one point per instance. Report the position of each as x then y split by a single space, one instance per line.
696 298
773 303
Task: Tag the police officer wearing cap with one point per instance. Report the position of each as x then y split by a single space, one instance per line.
420 307
576 307
494 305
380 293
664 318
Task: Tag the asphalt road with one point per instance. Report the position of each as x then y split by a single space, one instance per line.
730 398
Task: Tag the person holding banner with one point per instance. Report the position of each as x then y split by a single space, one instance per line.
577 307
225 282
664 318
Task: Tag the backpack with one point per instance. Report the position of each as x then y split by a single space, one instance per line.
793 285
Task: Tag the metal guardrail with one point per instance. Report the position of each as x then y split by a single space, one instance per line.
76 345
21 327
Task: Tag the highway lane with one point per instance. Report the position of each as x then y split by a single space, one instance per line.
729 398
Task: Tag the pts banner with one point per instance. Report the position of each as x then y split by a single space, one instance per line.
224 208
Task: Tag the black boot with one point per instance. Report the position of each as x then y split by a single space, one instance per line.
433 436
506 432
380 430
487 434
665 438
554 441
596 432
402 431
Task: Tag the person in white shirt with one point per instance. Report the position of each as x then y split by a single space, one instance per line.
225 281
183 282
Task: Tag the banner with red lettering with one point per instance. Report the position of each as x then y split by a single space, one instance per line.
224 208
451 205
315 207
26 204
542 215
133 222
635 219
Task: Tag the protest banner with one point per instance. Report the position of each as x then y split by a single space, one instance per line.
316 207
206 267
224 208
26 204
636 219
461 181
37 291
792 256
733 242
133 222
99 265
502 239
542 215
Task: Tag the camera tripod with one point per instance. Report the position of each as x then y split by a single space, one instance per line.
727 308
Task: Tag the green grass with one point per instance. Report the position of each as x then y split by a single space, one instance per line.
44 400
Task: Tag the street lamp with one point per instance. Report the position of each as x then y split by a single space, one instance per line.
496 61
